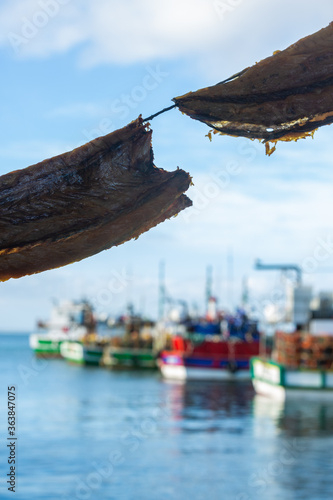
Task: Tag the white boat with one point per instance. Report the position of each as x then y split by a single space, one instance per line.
278 381
68 320
82 353
301 365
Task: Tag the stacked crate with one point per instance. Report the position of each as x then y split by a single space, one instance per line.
317 351
303 350
288 349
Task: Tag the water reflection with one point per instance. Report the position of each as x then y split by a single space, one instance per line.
299 437
297 417
198 406
177 440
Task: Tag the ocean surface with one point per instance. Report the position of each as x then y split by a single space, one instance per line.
89 433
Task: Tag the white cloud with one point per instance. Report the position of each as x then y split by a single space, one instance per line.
145 30
218 34
288 221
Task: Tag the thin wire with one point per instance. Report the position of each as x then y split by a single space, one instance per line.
159 113
233 77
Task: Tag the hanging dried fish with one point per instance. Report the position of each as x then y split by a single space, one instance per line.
284 97
79 203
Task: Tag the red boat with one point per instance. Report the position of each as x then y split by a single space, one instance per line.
215 347
209 359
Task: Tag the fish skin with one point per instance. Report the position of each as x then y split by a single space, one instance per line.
290 92
77 204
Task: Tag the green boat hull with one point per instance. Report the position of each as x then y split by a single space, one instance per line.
130 359
46 347
76 352
276 380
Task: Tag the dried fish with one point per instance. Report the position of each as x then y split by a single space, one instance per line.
74 205
284 97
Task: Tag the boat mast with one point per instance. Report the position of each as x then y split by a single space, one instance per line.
230 277
161 289
209 285
245 292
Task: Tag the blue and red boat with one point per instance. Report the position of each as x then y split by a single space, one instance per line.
212 349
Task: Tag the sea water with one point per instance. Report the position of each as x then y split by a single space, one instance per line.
90 433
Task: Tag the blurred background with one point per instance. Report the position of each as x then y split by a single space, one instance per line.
74 70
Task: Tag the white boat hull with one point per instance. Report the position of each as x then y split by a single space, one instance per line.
278 382
45 345
181 372
281 393
76 352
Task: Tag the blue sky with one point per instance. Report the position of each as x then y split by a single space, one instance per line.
76 69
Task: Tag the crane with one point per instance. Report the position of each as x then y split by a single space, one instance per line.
280 267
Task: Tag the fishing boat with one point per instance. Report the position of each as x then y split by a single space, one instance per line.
208 359
133 350
138 358
212 349
280 381
301 362
82 352
46 345
68 320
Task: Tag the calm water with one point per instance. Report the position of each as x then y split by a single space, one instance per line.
89 433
